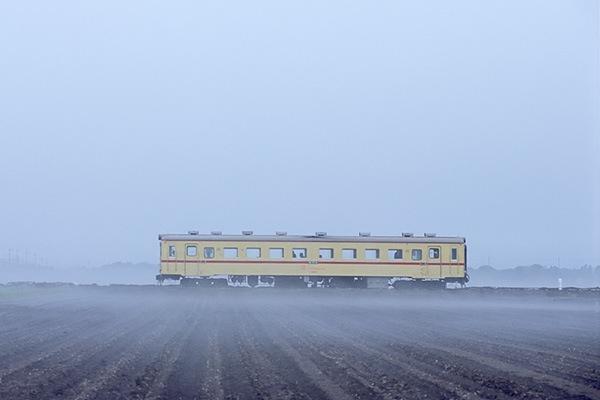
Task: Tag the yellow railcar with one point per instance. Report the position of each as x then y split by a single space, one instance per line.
312 260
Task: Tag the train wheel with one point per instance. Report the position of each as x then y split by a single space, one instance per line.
402 284
252 281
267 279
360 282
315 280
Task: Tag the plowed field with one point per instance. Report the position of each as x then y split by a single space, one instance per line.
174 343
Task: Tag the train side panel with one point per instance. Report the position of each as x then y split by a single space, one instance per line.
178 259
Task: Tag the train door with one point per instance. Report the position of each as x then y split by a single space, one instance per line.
454 268
190 255
434 262
171 262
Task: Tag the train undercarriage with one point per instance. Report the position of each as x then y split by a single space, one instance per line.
254 281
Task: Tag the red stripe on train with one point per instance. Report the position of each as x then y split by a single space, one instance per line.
308 263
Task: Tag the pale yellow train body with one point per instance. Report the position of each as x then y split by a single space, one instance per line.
418 258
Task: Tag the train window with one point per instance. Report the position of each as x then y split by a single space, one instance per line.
191 251
276 253
348 254
372 254
253 252
416 254
172 251
209 252
395 254
434 253
454 254
298 253
326 253
230 252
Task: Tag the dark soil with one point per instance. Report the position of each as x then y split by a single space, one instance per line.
171 343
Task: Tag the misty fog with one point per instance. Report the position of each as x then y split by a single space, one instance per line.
168 342
477 122
120 122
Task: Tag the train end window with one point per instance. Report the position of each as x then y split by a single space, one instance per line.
191 251
348 254
454 254
230 252
209 252
416 254
395 254
372 254
434 253
253 252
172 252
298 253
276 252
326 254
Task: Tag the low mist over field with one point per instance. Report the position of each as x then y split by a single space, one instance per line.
300 200
144 273
120 273
535 276
173 343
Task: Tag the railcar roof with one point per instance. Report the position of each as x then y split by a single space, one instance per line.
312 238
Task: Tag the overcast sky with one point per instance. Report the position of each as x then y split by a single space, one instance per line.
123 120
